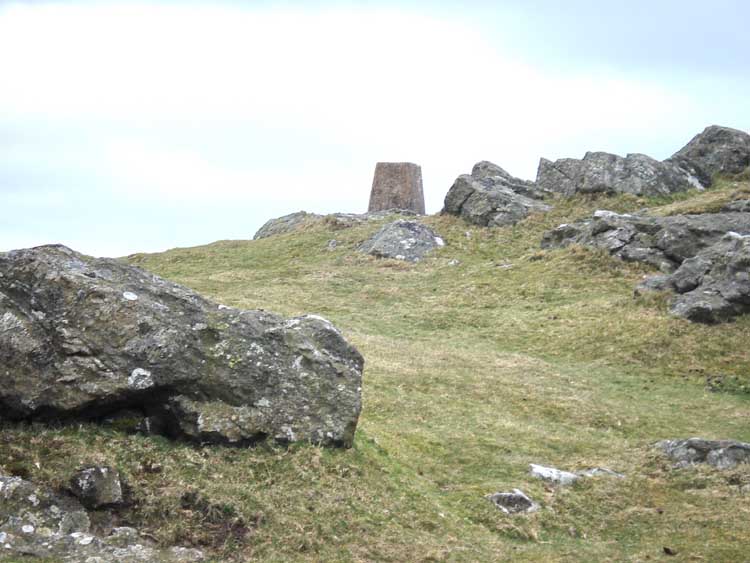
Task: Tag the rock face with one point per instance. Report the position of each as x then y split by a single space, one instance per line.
718 150
85 339
337 221
663 242
97 487
35 522
397 185
491 197
500 177
706 256
513 502
722 454
637 174
402 240
714 285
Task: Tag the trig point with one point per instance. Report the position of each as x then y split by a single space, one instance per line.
397 185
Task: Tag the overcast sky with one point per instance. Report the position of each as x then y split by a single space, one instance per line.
141 126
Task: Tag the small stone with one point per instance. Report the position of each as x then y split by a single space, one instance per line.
553 475
27 529
513 502
97 487
129 296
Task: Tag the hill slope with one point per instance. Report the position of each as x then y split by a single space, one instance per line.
474 370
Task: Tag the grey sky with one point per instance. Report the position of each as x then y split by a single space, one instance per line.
129 127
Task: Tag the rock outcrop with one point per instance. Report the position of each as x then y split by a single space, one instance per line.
491 197
402 240
718 150
663 242
85 339
336 221
722 454
706 257
36 522
637 174
714 285
397 185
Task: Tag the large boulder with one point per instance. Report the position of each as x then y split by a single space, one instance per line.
663 242
37 522
491 197
636 174
84 338
718 150
397 185
402 240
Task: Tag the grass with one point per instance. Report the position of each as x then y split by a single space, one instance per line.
513 356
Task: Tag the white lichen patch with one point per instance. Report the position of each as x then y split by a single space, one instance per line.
9 322
439 241
129 296
140 379
27 529
263 403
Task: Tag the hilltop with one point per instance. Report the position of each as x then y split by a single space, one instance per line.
486 356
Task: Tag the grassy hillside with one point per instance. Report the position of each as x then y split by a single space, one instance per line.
474 370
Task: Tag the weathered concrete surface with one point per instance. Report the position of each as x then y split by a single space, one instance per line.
397 185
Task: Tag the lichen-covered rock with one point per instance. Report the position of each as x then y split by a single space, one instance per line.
84 339
513 502
663 242
637 174
561 477
722 454
499 176
714 285
286 224
492 200
35 522
397 185
97 487
718 150
402 240
552 474
335 221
